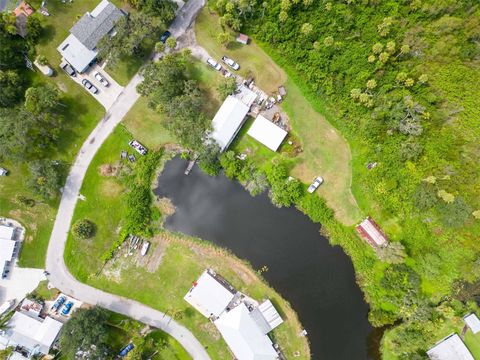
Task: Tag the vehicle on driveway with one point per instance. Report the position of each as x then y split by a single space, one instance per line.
139 147
89 86
59 303
101 79
126 350
315 184
165 36
66 309
68 69
214 64
230 62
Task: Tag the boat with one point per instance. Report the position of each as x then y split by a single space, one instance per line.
145 247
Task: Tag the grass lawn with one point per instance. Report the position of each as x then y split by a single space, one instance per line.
325 151
181 259
252 59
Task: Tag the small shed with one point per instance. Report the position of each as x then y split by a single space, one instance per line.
369 230
472 321
266 132
243 39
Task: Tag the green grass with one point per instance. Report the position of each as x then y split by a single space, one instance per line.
164 288
43 292
252 59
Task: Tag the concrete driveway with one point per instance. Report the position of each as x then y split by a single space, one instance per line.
106 95
19 283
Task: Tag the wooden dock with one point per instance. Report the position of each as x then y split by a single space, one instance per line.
190 166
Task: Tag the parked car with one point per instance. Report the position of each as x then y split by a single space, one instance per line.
89 86
315 184
59 302
68 69
139 147
66 309
126 350
101 79
214 64
165 36
3 172
230 62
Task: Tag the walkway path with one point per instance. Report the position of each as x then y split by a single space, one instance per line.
55 263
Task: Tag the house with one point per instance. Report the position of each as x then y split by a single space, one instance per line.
231 116
267 133
243 335
32 334
210 295
450 348
79 49
242 39
7 246
472 321
243 323
22 12
369 230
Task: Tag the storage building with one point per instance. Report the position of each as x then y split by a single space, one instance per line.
450 348
267 133
371 232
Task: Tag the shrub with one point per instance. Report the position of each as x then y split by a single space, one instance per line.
84 229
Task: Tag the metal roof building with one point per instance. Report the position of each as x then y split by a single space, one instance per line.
228 121
371 232
472 321
210 294
267 133
450 348
244 337
79 49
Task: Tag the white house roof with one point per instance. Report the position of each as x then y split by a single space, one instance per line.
266 132
228 121
243 336
472 322
450 348
32 333
6 232
77 54
209 295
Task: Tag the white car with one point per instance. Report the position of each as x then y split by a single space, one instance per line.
214 64
142 150
315 184
101 79
230 62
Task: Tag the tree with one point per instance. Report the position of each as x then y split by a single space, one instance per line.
306 29
41 99
84 229
230 164
227 87
87 327
42 60
10 88
164 10
393 253
159 47
209 162
171 42
44 178
224 38
454 214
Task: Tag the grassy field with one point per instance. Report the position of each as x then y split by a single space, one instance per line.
325 151
252 59
181 260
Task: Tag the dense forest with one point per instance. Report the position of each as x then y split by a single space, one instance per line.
399 79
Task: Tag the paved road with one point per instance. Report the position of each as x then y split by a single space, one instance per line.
55 264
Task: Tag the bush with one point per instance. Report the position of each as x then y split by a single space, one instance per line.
84 229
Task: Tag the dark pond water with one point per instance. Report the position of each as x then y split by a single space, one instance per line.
316 278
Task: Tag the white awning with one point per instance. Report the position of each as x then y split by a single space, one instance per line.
266 132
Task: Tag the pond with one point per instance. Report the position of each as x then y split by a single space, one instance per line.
317 279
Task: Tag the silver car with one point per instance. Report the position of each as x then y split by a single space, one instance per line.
101 79
315 184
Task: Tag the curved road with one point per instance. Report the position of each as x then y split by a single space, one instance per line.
55 263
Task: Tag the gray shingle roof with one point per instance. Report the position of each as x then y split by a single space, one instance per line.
90 29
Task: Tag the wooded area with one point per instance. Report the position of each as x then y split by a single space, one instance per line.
389 72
